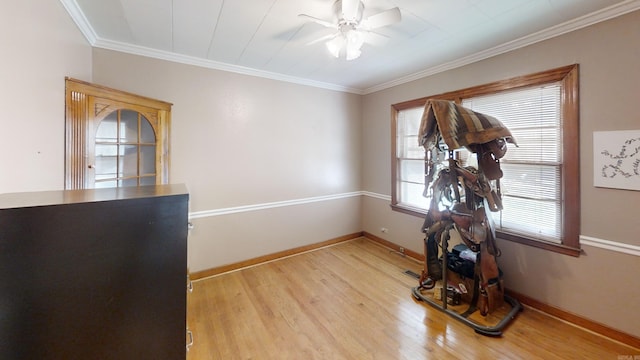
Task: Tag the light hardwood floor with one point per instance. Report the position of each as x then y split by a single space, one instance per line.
353 301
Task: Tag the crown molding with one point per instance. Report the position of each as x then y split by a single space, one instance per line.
610 12
215 65
81 21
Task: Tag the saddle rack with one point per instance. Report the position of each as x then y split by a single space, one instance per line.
465 283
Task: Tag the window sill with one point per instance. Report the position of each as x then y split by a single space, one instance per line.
409 210
558 248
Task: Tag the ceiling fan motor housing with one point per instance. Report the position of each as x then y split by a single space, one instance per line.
345 19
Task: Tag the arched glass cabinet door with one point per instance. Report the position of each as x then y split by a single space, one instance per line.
125 151
114 138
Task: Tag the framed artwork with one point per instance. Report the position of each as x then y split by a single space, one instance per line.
616 159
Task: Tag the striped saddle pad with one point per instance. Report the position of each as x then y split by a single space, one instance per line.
458 126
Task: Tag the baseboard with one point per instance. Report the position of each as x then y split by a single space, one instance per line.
577 320
538 305
270 257
393 246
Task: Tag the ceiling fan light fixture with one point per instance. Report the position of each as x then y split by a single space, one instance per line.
353 53
355 40
353 30
350 40
335 45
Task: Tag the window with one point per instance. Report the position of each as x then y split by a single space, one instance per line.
410 160
541 183
114 139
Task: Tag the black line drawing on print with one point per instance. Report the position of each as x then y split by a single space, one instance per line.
625 163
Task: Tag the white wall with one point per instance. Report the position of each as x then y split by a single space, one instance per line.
243 141
597 284
40 46
236 140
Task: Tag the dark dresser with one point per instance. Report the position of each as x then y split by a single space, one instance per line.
94 274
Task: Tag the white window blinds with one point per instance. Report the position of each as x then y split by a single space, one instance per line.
531 186
410 159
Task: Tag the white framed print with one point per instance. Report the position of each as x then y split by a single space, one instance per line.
616 159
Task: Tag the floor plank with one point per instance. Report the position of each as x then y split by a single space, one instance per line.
353 301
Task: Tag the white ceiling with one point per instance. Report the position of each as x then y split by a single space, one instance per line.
267 38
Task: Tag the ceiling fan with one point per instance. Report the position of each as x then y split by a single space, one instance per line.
352 30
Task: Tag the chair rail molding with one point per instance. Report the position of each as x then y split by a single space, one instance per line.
270 205
610 245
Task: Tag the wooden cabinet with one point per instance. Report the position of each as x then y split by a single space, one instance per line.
114 138
94 274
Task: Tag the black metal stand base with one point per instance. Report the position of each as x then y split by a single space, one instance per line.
495 330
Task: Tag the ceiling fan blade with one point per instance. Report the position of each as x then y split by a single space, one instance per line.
350 9
319 21
381 19
322 38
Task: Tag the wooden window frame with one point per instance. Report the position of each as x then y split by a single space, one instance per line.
570 168
86 102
